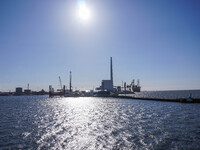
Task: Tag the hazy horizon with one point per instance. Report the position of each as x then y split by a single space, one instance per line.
155 41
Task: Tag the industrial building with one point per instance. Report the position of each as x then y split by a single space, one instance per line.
106 88
107 85
19 90
27 91
133 87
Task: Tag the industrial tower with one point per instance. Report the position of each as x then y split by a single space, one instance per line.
111 71
70 83
108 84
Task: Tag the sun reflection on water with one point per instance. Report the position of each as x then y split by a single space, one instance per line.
97 123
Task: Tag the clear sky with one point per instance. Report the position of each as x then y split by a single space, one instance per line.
157 41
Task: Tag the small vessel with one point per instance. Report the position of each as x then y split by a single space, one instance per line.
187 100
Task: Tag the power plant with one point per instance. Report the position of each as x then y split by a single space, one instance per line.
108 84
107 87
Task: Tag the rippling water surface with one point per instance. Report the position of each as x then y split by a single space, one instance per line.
29 122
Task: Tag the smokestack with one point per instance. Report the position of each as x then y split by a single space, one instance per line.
70 83
111 70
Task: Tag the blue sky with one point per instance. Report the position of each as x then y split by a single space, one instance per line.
153 40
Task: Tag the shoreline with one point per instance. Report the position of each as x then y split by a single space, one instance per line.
180 100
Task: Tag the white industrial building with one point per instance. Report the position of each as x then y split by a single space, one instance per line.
108 84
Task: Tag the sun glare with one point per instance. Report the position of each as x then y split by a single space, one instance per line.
84 12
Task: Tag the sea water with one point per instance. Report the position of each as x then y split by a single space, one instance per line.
39 122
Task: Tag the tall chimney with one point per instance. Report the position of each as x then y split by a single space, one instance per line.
111 70
70 83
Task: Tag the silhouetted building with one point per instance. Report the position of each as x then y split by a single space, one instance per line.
27 91
119 89
42 92
108 84
135 88
18 90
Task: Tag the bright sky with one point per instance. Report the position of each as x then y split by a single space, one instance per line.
157 41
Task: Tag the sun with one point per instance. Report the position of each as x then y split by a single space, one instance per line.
84 11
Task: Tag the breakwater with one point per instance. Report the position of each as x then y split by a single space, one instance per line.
182 100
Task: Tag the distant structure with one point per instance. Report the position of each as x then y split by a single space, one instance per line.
134 87
124 86
51 89
61 87
108 84
27 91
53 93
19 90
111 71
70 83
107 88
